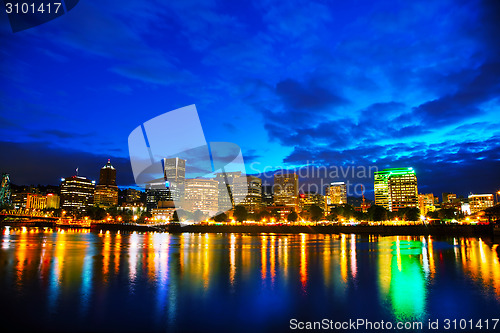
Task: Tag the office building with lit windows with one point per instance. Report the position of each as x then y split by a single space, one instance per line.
308 199
426 203
226 182
106 192
247 191
201 194
77 193
133 196
479 202
336 193
286 189
5 192
36 201
174 173
396 188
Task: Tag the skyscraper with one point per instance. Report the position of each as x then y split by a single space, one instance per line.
396 188
226 192
201 194
77 193
106 192
5 193
174 172
157 194
247 191
286 189
337 194
174 169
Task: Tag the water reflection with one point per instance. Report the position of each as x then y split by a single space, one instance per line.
161 279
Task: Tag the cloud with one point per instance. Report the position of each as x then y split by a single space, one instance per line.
466 102
300 97
38 163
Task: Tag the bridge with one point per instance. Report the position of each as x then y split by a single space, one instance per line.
26 214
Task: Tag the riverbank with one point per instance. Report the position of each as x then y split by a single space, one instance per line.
403 230
411 230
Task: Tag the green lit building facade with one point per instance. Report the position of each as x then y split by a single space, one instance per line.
396 188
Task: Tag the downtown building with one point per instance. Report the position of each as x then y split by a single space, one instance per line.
5 191
426 203
286 190
396 188
336 193
479 202
77 193
308 199
247 191
35 201
169 190
201 194
106 192
226 197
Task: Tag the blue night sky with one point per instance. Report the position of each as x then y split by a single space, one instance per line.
334 83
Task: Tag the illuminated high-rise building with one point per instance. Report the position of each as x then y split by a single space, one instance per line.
5 192
133 195
174 169
159 194
106 192
396 188
426 203
77 193
479 202
53 201
286 189
107 176
226 182
201 194
174 173
307 199
267 195
247 191
336 194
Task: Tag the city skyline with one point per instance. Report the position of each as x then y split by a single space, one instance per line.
395 189
317 185
379 84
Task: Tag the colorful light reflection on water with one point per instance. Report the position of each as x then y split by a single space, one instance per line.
79 280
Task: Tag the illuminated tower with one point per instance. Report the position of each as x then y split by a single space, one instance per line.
174 169
174 172
202 194
286 189
107 175
106 192
77 193
5 194
226 181
337 193
396 188
247 191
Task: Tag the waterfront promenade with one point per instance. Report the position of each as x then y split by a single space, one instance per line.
415 229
